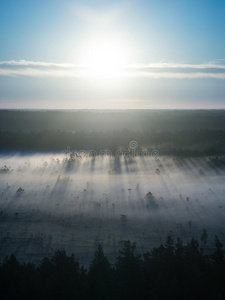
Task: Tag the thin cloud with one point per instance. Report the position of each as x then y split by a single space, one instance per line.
38 64
161 70
164 75
164 65
31 72
159 65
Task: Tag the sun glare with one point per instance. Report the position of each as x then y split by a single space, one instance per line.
105 59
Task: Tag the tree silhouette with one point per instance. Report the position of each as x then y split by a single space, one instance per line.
204 236
100 276
128 272
171 271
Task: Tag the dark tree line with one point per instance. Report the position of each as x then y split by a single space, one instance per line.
171 271
104 120
172 132
182 142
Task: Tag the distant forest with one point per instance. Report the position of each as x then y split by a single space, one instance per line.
171 132
171 271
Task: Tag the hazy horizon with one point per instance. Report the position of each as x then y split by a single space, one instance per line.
112 54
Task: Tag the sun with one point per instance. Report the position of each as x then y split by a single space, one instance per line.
105 58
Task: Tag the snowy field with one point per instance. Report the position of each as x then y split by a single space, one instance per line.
50 202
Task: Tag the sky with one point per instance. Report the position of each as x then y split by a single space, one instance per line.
109 54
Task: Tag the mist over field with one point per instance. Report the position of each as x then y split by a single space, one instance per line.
54 201
112 150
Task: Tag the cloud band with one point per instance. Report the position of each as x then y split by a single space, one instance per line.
160 70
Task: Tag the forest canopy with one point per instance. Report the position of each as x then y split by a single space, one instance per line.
173 270
187 133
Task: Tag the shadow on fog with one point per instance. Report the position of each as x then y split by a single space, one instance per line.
79 202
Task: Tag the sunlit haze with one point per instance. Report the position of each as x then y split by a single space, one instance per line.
112 54
105 58
112 149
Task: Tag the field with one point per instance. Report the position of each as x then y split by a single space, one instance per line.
50 201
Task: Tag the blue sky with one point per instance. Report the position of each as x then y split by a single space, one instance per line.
173 51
